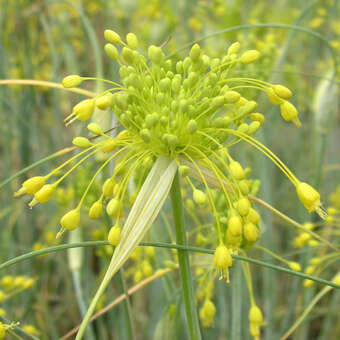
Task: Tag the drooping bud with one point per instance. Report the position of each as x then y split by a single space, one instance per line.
235 225
96 210
236 170
282 91
308 196
251 232
114 235
115 208
108 187
289 113
84 110
70 220
31 186
243 206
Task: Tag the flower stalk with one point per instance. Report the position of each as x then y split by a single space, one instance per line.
183 259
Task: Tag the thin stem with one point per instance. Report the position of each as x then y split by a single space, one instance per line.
127 306
36 253
183 259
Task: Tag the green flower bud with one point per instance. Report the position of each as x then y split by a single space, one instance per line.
112 36
192 126
128 55
72 81
111 51
250 56
231 97
104 102
145 135
95 129
81 142
132 40
155 54
234 48
199 197
195 53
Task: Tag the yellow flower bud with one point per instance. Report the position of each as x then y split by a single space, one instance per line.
2 330
115 208
232 97
258 117
81 142
235 225
114 235
234 48
146 268
31 186
43 195
251 232
111 51
138 276
84 110
72 81
109 145
308 196
108 187
195 52
236 170
7 282
112 36
282 91
273 97
222 258
255 315
132 40
253 216
250 56
2 313
200 197
95 129
295 266
243 206
104 102
96 210
70 220
289 113
308 283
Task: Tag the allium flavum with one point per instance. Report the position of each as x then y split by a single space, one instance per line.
186 113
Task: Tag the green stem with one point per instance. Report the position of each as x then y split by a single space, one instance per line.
127 306
183 259
53 249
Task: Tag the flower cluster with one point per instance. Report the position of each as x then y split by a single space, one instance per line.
191 111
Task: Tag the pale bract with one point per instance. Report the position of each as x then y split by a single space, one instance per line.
143 213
